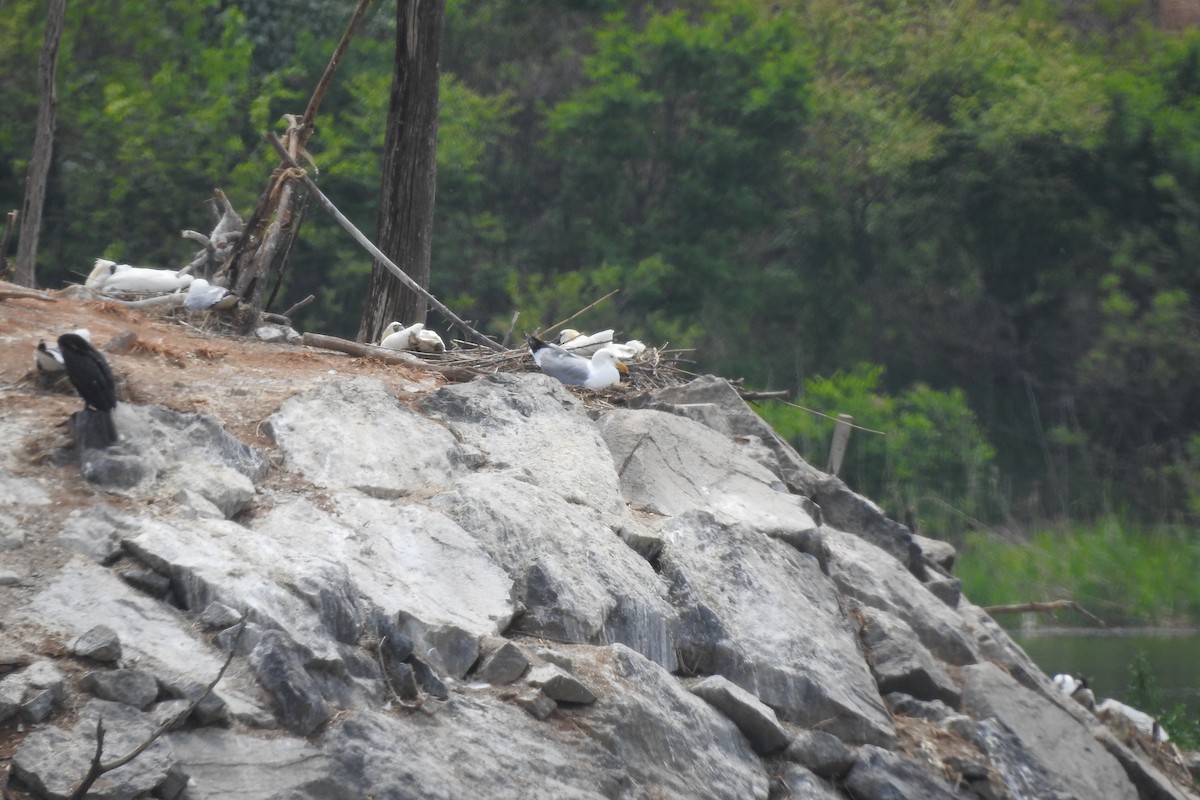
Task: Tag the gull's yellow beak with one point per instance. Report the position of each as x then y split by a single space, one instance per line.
621 368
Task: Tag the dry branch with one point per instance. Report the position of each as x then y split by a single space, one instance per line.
578 313
1045 607
10 291
327 204
97 768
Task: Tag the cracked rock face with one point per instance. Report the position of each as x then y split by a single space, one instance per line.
484 591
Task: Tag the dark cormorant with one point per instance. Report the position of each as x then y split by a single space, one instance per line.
91 377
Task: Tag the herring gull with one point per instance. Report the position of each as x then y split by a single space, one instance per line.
601 371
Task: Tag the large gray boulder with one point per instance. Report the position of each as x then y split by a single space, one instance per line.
715 403
871 576
670 465
1065 749
408 561
356 434
576 578
532 424
763 615
224 764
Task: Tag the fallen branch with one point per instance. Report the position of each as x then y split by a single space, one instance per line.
10 291
385 355
470 333
776 395
1045 607
97 768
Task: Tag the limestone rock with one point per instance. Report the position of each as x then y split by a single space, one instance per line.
575 577
765 617
821 752
224 764
1056 741
559 685
753 718
133 687
867 574
797 782
52 760
901 663
100 643
530 423
882 775
671 466
355 434
503 665
279 664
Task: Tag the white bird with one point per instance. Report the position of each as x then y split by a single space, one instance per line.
48 358
398 337
109 276
202 295
585 345
601 371
1115 711
1075 688
427 341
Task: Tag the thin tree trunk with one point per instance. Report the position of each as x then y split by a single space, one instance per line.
409 181
43 147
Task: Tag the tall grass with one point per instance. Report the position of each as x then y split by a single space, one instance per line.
1123 573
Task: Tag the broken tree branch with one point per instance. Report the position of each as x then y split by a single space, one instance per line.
1045 607
385 355
470 333
97 768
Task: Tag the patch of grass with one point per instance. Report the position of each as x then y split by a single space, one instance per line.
1125 574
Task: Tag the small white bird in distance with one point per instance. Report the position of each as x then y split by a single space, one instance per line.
414 337
573 341
109 276
202 296
48 358
601 371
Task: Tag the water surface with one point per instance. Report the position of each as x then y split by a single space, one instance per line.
1105 658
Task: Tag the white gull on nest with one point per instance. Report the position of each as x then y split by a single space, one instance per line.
601 371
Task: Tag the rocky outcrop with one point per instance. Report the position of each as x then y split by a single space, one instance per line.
489 590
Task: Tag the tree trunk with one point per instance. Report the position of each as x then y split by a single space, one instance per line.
43 147
409 169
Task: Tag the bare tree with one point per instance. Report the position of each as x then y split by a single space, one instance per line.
409 168
43 146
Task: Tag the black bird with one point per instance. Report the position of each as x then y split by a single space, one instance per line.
91 377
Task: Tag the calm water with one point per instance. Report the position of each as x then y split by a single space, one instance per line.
1174 659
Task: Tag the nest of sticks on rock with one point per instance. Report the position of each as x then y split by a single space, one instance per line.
653 368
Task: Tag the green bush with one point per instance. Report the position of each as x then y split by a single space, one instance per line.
922 456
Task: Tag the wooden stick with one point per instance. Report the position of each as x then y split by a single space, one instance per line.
470 333
385 355
1045 607
312 298
577 314
752 395
841 439
511 327
327 76
10 291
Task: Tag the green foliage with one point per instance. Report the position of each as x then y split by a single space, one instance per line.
1144 694
922 458
1124 573
995 197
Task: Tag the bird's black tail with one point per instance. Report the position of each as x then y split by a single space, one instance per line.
99 430
535 343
